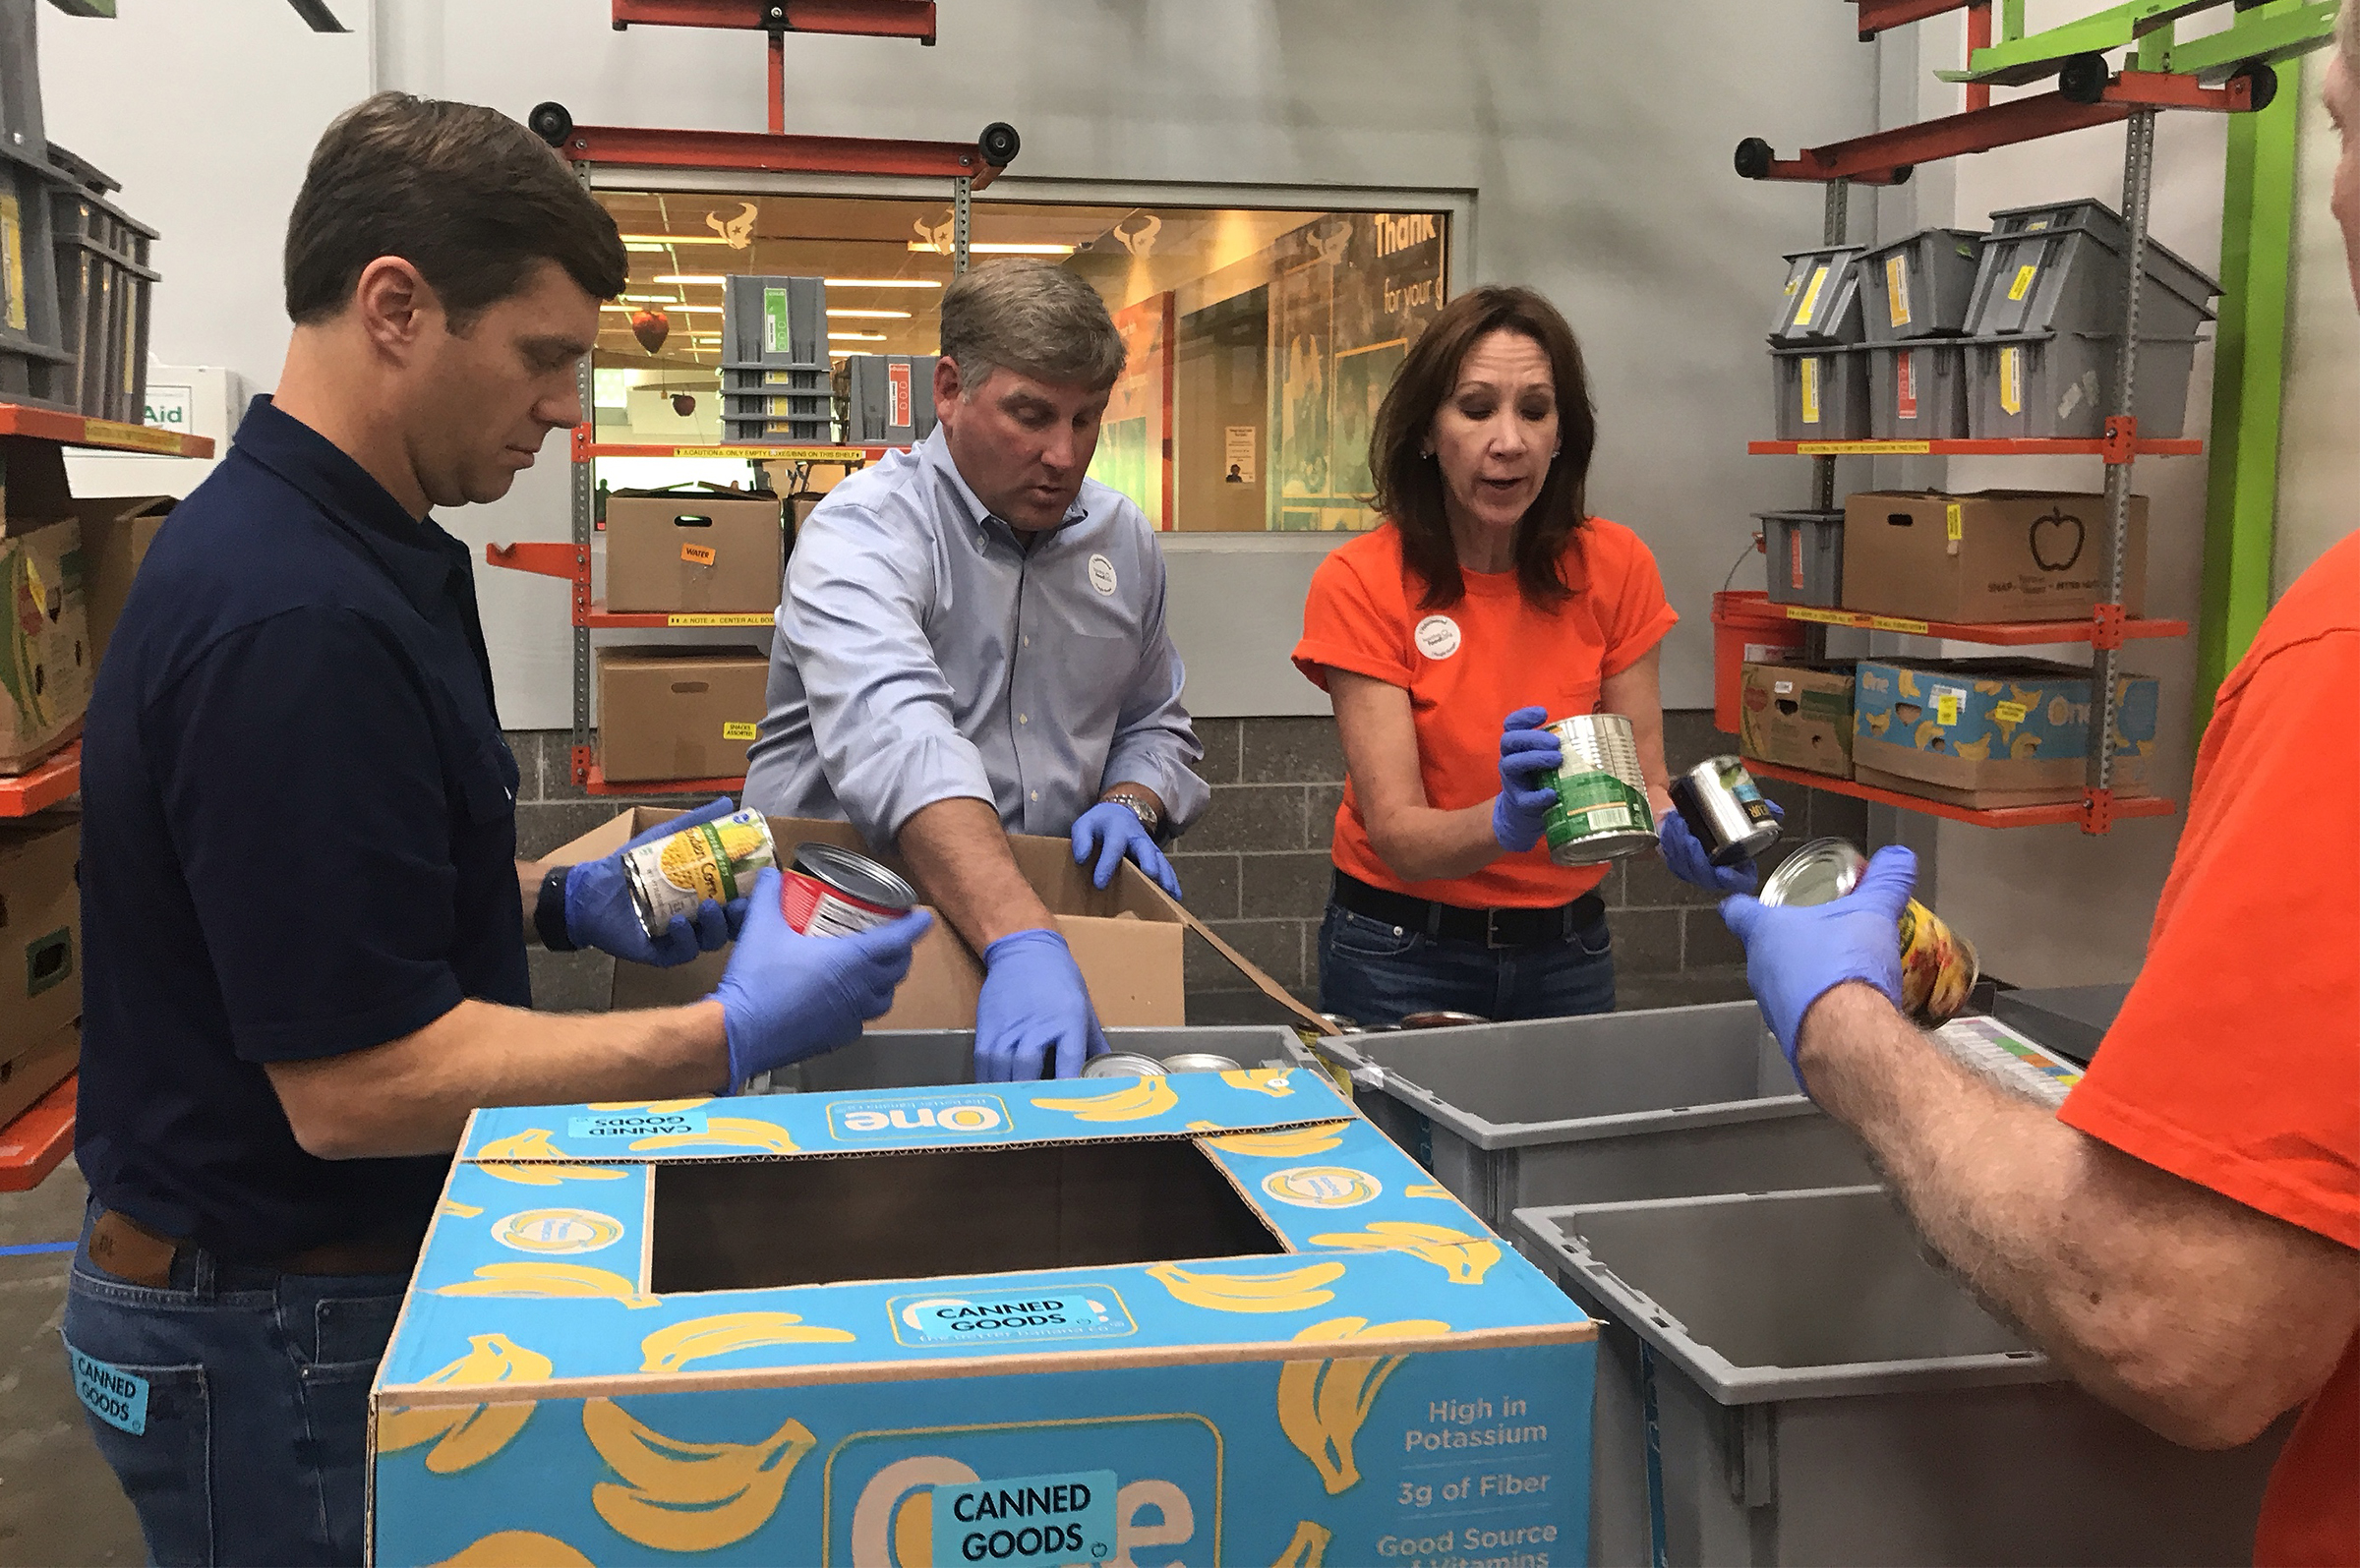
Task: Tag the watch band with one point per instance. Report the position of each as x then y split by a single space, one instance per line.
1149 817
548 912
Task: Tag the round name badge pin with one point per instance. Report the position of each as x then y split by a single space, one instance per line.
1437 636
1102 574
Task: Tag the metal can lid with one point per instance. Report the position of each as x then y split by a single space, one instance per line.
1441 1019
1342 1024
1818 872
855 876
1123 1064
1199 1062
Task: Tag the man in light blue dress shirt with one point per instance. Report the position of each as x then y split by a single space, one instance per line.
972 643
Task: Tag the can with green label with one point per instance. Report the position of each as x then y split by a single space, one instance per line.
1602 812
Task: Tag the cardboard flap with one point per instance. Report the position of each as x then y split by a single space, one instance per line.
1261 982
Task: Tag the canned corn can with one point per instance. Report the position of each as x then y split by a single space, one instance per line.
718 860
833 892
1724 808
1122 1064
1939 966
1601 811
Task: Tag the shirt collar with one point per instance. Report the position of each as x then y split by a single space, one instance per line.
415 552
935 453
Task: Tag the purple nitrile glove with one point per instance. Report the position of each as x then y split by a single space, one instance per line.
1112 830
1689 861
598 912
1033 1011
1529 757
787 996
1795 956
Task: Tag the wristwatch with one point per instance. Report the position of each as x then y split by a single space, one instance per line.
1145 810
548 912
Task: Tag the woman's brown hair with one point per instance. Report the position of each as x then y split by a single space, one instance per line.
1409 485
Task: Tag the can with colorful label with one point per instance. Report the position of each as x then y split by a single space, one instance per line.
1939 966
1601 811
718 860
1724 808
833 892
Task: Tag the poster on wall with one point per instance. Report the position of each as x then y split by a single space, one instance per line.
1354 291
1134 452
1237 454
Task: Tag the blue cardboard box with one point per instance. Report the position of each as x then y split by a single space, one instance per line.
1983 732
1203 1319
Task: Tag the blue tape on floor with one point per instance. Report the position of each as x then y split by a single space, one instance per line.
23 1248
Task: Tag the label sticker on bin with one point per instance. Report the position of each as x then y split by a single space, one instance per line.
1897 288
113 1395
2024 281
1031 1519
697 554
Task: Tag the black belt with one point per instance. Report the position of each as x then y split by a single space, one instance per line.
1492 928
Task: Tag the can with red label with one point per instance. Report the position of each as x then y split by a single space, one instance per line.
833 892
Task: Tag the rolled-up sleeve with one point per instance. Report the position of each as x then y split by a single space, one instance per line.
1155 743
881 714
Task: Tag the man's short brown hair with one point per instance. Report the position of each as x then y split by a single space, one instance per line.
1032 318
464 193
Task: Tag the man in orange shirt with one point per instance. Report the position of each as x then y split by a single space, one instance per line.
2184 1234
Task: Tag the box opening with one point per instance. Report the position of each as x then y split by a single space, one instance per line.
919 1214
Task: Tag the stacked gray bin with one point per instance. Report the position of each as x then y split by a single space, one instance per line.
774 367
1786 1378
1917 391
1806 553
1819 374
1915 298
874 395
35 366
912 1059
2046 324
103 289
1619 1105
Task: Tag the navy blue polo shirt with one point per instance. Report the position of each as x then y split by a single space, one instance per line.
299 840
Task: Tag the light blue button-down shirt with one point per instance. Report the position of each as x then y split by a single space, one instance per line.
924 654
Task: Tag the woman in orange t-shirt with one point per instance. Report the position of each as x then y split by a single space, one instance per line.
1486 605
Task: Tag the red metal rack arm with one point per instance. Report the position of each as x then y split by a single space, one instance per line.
2108 625
544 561
643 148
870 18
2121 442
1876 160
1978 36
2098 812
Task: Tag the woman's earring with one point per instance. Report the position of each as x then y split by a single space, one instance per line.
1428 454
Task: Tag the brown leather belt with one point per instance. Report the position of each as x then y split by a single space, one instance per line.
137 1255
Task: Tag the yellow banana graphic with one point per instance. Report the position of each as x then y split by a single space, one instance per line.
533 1144
735 1130
1292 1145
677 1496
547 1279
1144 1097
516 1548
458 1210
1308 1548
1270 1081
1322 1403
667 1350
1428 1190
469 1433
1465 1257
1291 1292
662 1107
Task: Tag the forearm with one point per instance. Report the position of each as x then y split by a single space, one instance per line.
1420 843
1637 694
412 1095
529 876
959 853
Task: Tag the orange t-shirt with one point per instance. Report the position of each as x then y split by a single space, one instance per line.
2235 1063
1468 667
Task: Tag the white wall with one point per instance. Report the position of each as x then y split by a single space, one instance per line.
2319 440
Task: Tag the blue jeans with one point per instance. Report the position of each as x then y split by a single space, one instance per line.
1376 973
250 1389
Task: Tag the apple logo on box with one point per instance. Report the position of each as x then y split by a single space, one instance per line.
2049 550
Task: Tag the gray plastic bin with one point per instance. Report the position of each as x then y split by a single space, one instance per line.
910 1059
1917 391
1822 393
1919 287
1821 304
2063 385
36 367
1617 1105
1805 555
104 291
1823 1393
780 322
2063 268
889 398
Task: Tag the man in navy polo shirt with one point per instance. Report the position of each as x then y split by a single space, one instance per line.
304 920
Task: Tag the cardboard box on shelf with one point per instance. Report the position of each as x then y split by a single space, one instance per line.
678 713
693 549
36 1069
40 929
1992 555
1986 732
45 646
116 532
1125 937
1799 716
1210 1317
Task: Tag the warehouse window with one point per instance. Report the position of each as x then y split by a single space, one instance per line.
1261 338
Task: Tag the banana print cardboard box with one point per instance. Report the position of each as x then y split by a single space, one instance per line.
1983 732
1215 1317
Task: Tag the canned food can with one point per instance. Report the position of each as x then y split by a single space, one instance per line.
1122 1064
1939 966
1441 1019
717 861
1724 808
834 892
1199 1062
1601 811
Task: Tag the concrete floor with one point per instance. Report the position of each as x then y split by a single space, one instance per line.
59 1503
